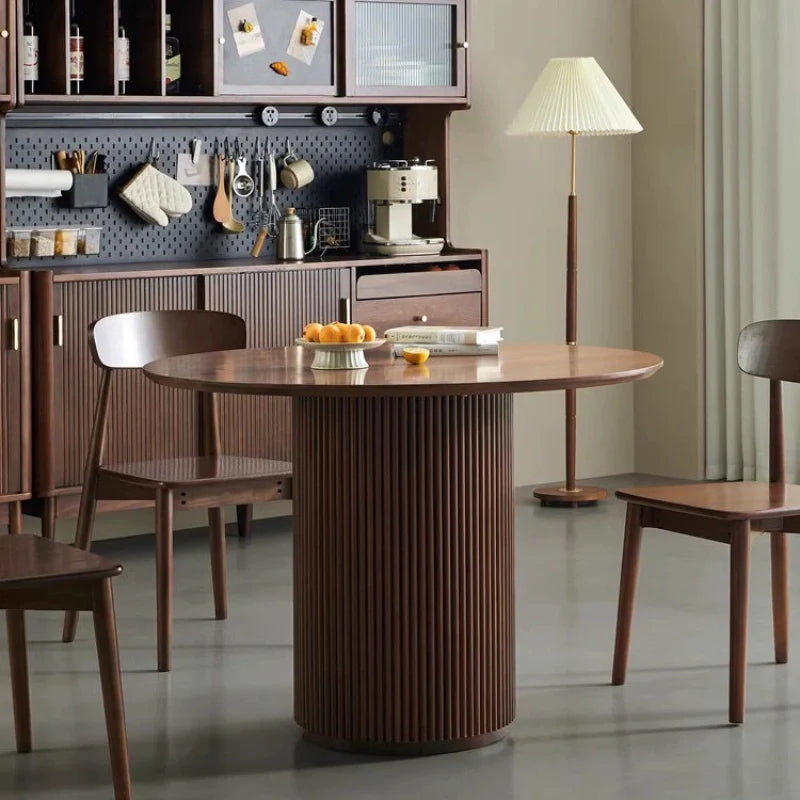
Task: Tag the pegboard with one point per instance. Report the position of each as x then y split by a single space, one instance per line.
339 156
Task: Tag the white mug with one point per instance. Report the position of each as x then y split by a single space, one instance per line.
296 172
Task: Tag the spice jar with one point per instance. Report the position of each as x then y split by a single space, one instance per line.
43 243
89 241
18 241
66 242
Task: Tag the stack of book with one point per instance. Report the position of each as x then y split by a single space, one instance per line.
445 340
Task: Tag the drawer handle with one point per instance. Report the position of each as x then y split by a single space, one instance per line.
462 45
15 344
58 325
4 33
421 318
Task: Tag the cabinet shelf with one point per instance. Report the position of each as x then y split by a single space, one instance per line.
212 69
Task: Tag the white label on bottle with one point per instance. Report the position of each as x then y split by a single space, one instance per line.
30 46
76 58
124 59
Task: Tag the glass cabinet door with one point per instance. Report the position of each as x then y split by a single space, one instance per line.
407 47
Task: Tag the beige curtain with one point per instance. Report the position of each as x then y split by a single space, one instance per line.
752 218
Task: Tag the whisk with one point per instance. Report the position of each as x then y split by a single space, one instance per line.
265 219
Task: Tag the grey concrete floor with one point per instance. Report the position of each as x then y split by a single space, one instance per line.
220 725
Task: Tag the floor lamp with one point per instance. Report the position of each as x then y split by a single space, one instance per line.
573 97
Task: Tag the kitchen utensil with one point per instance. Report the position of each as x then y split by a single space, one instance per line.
231 224
274 213
260 215
296 172
290 237
222 207
243 183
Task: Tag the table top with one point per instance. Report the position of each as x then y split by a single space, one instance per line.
518 368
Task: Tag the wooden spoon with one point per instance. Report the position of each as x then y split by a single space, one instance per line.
222 206
231 224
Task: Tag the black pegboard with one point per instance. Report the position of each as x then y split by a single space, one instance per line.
339 157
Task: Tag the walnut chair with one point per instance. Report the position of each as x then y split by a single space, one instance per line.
211 480
731 513
37 574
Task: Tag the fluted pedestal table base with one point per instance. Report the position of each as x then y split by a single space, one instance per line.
404 569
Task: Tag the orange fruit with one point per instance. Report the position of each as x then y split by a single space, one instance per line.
331 334
416 355
369 333
353 334
312 331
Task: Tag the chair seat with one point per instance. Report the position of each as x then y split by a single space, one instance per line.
734 501
32 559
185 471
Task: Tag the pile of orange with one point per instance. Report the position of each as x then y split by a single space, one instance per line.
339 333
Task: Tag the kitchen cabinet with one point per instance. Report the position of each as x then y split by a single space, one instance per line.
397 48
145 421
14 389
276 305
9 39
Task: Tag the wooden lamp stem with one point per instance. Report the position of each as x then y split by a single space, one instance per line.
570 495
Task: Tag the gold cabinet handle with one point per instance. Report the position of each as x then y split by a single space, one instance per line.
58 330
421 318
15 343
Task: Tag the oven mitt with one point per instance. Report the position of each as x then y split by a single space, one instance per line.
156 197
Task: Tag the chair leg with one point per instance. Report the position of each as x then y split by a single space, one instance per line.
164 562
779 548
244 520
105 631
20 690
740 575
49 518
216 526
627 592
83 540
15 518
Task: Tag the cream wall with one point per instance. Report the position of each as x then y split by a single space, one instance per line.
510 196
667 67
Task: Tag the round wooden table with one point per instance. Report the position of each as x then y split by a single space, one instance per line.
404 532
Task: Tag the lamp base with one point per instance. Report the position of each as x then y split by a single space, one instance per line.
561 497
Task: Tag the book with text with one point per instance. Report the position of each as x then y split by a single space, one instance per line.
444 334
452 349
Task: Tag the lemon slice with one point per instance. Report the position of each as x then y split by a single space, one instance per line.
416 355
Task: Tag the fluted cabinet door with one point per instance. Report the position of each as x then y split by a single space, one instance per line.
276 306
11 383
146 421
8 57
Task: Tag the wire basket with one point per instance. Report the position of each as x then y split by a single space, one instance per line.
334 227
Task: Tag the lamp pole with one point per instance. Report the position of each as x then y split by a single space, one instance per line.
570 494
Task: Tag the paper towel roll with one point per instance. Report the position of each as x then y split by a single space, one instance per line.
37 182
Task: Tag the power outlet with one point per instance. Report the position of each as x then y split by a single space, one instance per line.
270 116
329 116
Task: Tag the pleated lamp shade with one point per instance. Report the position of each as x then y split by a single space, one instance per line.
573 95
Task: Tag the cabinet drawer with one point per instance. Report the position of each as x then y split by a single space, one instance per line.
416 284
452 309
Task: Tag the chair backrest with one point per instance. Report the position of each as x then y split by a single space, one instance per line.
129 341
771 349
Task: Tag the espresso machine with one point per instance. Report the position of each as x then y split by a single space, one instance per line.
394 188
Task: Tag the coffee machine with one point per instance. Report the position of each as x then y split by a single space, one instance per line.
395 187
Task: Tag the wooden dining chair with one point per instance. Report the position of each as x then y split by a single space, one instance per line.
210 480
731 513
37 574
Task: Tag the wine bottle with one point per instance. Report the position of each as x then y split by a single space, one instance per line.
77 63
123 59
30 45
